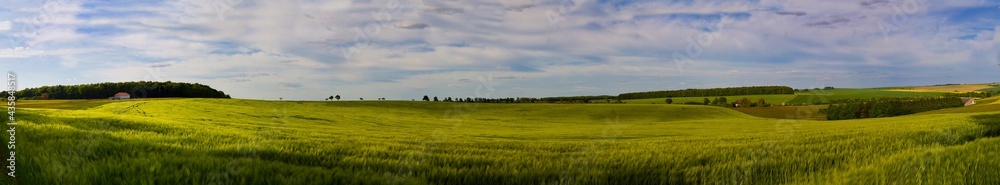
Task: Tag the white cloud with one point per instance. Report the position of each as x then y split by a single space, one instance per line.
4 25
410 25
19 52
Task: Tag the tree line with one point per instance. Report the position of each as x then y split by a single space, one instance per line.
970 95
582 99
483 100
140 89
729 91
887 107
722 101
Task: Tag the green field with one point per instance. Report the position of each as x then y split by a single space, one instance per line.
774 99
230 141
824 96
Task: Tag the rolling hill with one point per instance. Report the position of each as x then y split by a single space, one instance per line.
233 141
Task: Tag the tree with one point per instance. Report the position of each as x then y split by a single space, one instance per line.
707 101
362 99
723 101
435 98
743 102
337 97
427 98
670 100
761 103
330 98
280 98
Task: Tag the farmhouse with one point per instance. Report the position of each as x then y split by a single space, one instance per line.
120 96
969 101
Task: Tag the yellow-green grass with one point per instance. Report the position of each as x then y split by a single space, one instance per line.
825 96
982 105
230 141
990 89
944 88
774 99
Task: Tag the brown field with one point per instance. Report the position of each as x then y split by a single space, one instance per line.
946 88
810 112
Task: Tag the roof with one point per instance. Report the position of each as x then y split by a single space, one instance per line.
121 93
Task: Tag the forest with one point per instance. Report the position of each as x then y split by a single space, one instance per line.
887 107
140 89
730 91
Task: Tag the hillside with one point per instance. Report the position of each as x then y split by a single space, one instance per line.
232 141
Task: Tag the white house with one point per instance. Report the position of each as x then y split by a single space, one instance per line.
969 101
120 96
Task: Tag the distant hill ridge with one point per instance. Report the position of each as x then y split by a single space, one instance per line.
140 89
728 91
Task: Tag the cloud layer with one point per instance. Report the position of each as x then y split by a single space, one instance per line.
402 49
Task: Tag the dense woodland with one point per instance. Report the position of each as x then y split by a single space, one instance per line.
730 91
141 89
888 107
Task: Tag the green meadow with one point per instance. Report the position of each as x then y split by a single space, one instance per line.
233 141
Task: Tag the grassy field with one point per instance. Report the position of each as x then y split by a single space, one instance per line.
775 99
824 96
945 88
230 141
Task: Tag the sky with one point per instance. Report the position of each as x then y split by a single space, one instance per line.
404 49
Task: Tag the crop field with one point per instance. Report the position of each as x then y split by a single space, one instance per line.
62 104
227 141
944 88
809 112
824 96
774 99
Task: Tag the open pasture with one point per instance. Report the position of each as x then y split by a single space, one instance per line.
231 141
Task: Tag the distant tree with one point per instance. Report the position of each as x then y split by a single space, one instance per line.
330 98
45 96
362 99
761 102
743 102
279 98
827 88
435 98
707 101
337 97
730 91
670 100
723 101
427 98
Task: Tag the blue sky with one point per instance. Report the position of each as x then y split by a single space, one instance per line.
404 49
